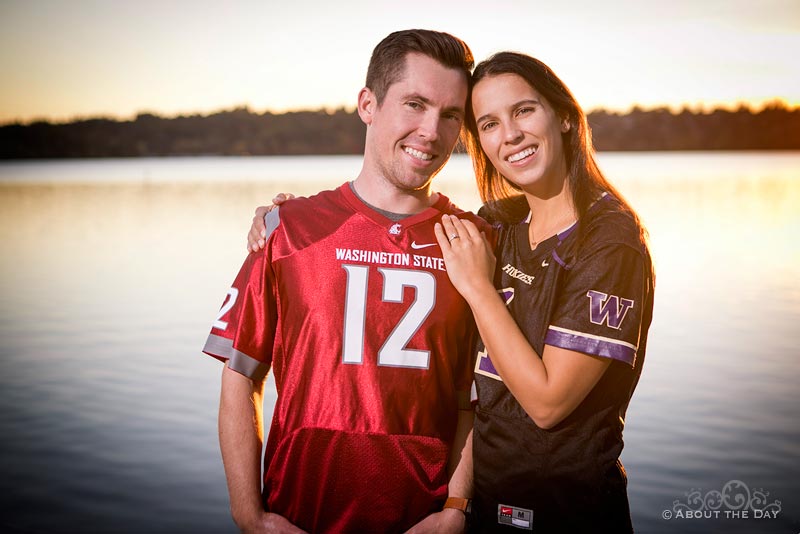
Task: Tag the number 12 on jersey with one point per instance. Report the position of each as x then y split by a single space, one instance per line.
393 352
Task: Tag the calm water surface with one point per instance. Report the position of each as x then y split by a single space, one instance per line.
112 272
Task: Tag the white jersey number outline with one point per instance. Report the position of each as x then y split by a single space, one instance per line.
393 352
233 294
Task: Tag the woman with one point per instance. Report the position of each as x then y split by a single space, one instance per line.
563 345
564 342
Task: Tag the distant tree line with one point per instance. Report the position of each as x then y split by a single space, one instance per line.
775 127
242 132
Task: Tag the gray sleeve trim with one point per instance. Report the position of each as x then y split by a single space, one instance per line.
237 361
272 220
218 346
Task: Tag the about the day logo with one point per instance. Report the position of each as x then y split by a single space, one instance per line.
734 501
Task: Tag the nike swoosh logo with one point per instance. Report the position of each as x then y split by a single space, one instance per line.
545 263
415 246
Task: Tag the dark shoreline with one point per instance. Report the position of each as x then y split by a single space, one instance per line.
242 132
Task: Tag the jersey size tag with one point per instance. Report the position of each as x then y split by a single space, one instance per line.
515 517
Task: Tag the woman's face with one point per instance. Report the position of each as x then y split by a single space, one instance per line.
520 133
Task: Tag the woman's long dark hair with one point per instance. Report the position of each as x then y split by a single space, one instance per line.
502 199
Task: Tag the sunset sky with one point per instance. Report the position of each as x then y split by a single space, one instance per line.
61 60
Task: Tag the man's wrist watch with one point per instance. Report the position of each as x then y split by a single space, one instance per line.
459 503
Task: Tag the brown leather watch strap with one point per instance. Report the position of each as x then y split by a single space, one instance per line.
459 503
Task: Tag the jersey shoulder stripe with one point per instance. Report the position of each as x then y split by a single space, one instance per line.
272 220
608 224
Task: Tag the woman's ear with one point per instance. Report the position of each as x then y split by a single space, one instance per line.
565 125
366 105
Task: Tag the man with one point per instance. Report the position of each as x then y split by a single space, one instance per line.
350 306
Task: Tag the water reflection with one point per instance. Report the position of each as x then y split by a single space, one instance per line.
109 410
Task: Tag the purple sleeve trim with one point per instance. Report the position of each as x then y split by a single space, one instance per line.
589 344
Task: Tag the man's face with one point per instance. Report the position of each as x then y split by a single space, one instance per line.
411 134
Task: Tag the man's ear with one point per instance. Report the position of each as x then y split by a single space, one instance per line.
367 103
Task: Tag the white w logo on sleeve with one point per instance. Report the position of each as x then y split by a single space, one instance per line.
610 310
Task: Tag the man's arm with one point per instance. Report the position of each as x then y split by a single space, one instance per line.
450 520
460 466
241 436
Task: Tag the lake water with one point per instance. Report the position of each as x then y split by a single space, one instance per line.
113 270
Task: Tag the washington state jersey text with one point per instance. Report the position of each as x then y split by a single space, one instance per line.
386 258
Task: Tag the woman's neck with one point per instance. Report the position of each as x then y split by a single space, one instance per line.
549 215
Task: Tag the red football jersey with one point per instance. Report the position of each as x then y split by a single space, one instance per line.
370 345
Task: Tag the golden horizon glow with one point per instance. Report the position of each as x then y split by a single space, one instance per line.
90 59
697 107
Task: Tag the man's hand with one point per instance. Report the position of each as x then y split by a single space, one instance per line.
257 238
448 521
